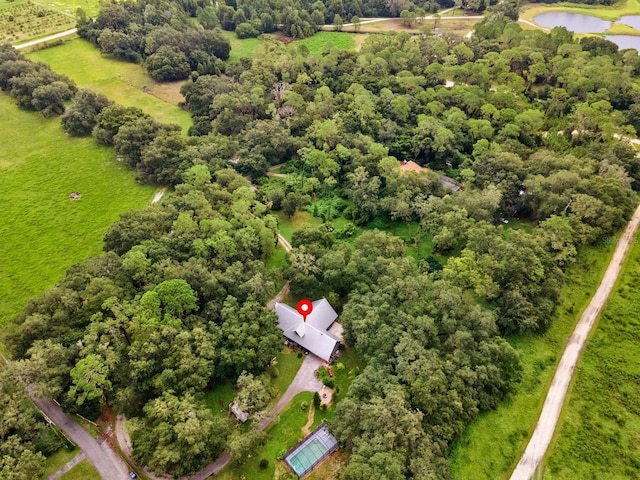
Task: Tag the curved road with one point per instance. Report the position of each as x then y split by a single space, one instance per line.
108 464
543 433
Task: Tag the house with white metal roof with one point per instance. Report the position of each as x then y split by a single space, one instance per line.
311 334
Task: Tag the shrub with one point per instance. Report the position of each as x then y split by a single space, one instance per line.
281 453
264 463
304 405
316 399
246 30
299 355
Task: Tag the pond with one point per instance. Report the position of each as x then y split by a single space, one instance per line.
579 23
625 41
631 20
575 22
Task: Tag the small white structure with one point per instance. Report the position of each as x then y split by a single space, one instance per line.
238 412
313 334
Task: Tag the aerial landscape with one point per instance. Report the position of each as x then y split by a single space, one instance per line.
331 240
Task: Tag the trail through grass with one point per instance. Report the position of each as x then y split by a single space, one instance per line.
599 429
42 231
123 82
492 445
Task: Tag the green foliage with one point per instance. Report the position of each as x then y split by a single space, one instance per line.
36 148
490 447
178 436
125 83
597 430
82 471
26 20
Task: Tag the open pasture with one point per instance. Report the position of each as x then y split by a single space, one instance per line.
123 82
42 231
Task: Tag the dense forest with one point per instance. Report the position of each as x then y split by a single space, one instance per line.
175 305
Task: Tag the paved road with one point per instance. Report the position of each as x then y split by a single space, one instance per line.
46 39
543 433
109 465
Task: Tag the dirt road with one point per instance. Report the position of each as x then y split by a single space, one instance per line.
543 433
48 38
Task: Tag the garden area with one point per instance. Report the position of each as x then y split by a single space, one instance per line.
25 20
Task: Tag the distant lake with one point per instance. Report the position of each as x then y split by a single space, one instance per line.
631 20
625 41
575 22
579 23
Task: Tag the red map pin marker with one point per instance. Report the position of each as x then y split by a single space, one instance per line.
304 307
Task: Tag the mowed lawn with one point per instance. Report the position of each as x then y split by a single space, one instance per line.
42 231
490 448
598 434
82 471
123 82
321 40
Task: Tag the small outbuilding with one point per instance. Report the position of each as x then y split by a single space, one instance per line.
312 335
239 413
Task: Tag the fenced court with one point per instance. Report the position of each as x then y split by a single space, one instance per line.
317 446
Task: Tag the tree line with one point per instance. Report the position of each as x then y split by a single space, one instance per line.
175 304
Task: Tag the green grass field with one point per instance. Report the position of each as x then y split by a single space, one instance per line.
57 460
82 471
242 48
123 82
321 40
598 435
42 231
627 7
492 445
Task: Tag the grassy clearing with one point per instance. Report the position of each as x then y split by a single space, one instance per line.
281 375
283 372
628 7
219 398
82 471
492 445
283 434
321 40
620 29
599 429
42 232
277 260
91 7
243 48
123 82
58 460
300 220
